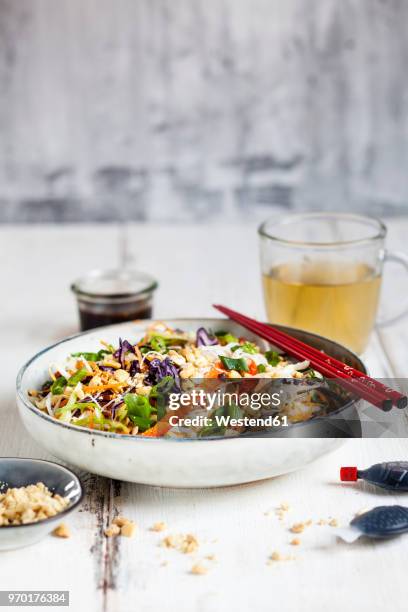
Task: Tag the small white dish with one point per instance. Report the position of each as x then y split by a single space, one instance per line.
19 472
165 461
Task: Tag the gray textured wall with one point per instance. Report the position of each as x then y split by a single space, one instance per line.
180 109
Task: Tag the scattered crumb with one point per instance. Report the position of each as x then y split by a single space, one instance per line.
281 510
112 530
198 569
298 528
333 523
61 531
164 563
184 543
121 525
277 556
159 526
211 557
321 522
295 542
128 529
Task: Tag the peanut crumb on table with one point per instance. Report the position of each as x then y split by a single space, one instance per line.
333 522
61 531
159 526
121 525
295 542
184 543
128 529
277 556
298 528
198 569
281 510
112 530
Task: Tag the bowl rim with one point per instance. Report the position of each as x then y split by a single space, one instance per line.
111 435
50 519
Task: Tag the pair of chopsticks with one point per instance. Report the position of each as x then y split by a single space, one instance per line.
362 385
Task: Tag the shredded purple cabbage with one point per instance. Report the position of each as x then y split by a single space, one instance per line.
134 367
106 368
159 369
124 347
203 338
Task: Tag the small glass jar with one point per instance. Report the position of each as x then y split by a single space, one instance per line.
105 297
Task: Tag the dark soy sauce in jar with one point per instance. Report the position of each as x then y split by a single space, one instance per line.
90 318
106 297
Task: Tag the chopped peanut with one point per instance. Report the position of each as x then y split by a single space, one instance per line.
159 526
297 528
128 529
112 531
61 531
30 504
183 543
198 569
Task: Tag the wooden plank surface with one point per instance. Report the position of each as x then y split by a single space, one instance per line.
230 523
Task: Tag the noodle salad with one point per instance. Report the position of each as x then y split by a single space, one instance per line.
117 388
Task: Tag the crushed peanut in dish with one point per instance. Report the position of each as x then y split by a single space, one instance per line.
30 504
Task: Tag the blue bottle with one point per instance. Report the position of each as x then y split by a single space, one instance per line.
392 475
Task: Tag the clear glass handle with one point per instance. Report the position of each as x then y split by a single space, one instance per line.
401 259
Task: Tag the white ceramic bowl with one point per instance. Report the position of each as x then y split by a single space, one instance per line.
165 462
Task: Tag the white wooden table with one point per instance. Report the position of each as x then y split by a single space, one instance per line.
37 265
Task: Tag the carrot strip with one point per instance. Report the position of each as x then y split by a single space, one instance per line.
90 389
162 427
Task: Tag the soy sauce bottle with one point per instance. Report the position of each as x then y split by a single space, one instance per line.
392 475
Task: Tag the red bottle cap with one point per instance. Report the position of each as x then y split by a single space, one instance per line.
348 474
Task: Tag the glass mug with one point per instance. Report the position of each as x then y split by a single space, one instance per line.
322 273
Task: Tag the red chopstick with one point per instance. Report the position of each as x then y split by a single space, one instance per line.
364 386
